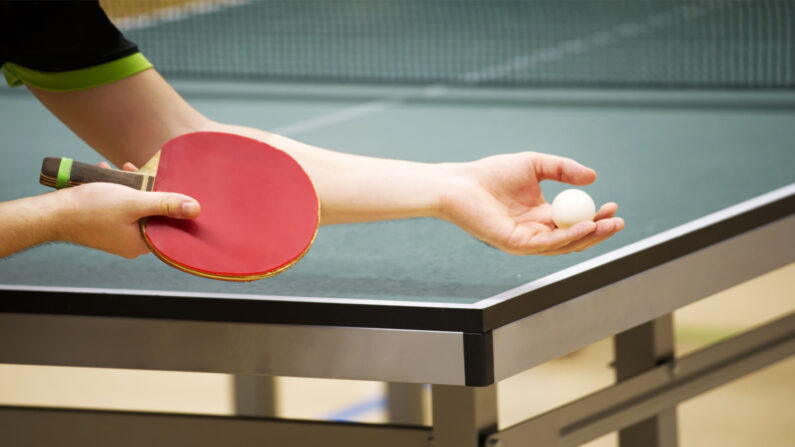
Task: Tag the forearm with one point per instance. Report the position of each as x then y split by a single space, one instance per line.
354 188
129 120
27 222
497 199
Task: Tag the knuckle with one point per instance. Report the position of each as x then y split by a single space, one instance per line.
166 207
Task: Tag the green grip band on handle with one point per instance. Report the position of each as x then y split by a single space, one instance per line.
64 173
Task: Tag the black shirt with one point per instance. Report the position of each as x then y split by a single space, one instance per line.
59 35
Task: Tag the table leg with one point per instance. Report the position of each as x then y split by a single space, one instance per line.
463 416
637 350
254 395
404 402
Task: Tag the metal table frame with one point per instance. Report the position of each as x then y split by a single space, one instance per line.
462 350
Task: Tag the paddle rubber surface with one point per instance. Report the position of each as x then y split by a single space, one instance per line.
259 210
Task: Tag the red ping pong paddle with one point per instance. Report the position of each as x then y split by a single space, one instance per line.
260 212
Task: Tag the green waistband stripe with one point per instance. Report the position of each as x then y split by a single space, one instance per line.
80 79
64 173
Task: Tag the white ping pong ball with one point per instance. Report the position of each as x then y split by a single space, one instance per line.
571 207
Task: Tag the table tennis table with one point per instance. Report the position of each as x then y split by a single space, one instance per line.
704 179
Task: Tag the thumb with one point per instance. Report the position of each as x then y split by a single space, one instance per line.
561 169
170 204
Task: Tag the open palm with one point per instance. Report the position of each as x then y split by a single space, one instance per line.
498 199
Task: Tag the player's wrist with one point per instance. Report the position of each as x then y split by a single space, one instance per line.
41 217
454 179
426 185
57 221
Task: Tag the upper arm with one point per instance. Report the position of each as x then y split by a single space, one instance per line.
83 69
127 120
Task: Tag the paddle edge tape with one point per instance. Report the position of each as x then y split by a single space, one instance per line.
220 276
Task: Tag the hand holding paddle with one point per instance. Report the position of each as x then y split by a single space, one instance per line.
105 216
260 212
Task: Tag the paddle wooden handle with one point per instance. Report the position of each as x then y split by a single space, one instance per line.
80 173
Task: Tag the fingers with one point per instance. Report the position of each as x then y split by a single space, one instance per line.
560 169
125 167
160 203
168 204
605 228
547 241
577 238
606 211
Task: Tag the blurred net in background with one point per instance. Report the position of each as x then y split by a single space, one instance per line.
584 43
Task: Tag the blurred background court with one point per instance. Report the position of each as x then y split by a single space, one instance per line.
338 47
